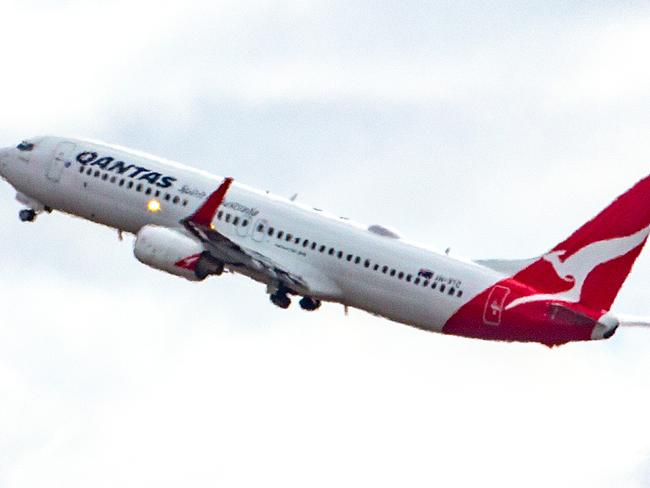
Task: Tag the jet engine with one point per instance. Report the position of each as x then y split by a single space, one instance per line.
170 251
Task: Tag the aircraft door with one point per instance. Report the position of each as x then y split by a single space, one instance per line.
62 159
259 231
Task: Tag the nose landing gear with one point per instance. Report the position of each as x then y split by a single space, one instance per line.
27 215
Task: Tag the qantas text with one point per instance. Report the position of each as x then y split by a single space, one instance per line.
109 163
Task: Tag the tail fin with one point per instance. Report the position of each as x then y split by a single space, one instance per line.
592 264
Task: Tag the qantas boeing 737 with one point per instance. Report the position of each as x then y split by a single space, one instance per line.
193 224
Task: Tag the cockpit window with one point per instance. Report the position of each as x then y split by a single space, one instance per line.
25 146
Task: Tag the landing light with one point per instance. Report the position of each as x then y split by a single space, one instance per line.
213 227
153 206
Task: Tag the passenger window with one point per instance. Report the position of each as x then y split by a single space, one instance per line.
357 260
433 285
297 240
400 275
366 263
452 290
219 214
260 227
322 248
331 253
148 192
139 187
416 281
442 288
339 254
184 203
271 231
131 186
408 278
384 269
313 246
228 218
426 283
97 174
177 199
105 176
280 234
244 223
235 221
167 195
289 237
113 179
158 194
122 182
349 257
89 172
81 169
305 243
460 293
392 272
375 267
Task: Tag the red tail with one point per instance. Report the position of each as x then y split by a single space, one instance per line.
592 264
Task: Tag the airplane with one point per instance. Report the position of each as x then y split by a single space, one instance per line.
192 224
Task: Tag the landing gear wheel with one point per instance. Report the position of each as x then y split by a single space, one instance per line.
280 300
309 304
27 215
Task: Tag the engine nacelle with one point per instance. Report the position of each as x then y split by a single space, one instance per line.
168 250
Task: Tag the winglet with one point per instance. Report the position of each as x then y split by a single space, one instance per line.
206 212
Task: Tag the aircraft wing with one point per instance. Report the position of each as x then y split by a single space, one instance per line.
201 225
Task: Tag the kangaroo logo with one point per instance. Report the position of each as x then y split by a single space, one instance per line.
576 268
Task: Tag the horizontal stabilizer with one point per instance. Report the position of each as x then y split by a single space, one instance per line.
508 267
633 321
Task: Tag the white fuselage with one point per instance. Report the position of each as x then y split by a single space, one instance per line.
419 287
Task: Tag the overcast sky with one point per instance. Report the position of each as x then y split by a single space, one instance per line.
495 128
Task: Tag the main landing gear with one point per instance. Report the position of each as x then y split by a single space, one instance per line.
309 304
282 300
